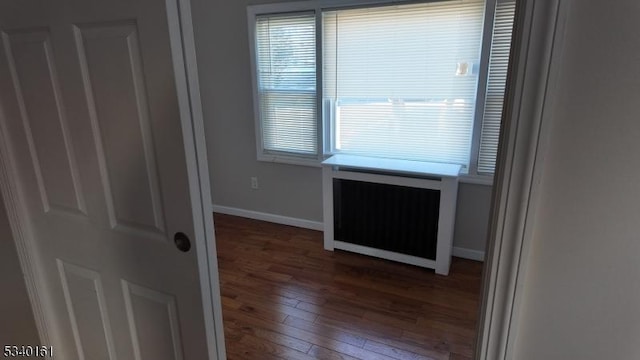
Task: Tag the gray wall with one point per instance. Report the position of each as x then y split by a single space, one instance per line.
288 190
582 288
16 325
472 216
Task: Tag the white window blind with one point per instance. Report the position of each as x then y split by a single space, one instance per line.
286 82
400 81
496 81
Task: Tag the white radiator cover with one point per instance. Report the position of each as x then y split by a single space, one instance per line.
441 177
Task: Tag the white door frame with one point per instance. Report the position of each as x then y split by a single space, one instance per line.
188 92
183 51
536 52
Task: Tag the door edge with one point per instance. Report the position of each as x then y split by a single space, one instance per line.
183 53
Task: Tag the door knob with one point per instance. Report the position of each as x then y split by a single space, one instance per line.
182 241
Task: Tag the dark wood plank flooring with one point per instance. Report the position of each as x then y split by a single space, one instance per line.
285 297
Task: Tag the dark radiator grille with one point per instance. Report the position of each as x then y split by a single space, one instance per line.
389 217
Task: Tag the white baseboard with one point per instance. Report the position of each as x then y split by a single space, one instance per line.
468 253
317 225
278 219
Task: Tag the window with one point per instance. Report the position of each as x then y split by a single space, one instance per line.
394 81
401 79
286 74
497 79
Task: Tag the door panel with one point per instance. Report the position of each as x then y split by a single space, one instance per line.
116 94
84 296
89 110
37 91
153 321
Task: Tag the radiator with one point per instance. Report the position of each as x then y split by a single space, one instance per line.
397 210
388 217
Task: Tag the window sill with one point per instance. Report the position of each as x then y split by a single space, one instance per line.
290 160
476 179
317 163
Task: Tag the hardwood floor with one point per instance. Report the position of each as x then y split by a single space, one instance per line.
285 297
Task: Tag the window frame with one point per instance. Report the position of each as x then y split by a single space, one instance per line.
323 129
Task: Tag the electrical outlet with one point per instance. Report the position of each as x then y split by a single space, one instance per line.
254 182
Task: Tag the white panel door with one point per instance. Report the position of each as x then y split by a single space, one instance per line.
90 113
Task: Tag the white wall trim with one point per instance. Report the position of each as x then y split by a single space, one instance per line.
319 226
278 219
470 254
537 43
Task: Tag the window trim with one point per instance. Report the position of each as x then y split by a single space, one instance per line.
323 129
